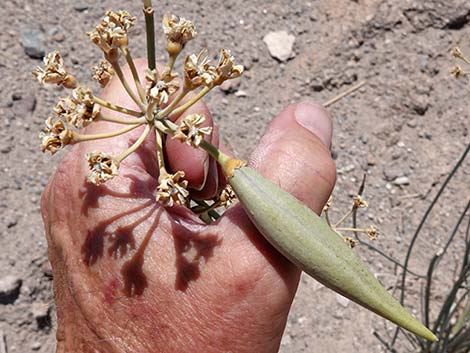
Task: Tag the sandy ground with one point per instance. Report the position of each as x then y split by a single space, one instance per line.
411 122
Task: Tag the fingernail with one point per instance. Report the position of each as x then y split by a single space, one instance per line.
315 119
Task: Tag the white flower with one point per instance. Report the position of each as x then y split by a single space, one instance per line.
198 72
55 135
160 88
178 29
54 71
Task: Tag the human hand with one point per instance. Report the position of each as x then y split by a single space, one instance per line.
132 276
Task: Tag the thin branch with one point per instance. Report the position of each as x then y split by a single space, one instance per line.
344 94
150 31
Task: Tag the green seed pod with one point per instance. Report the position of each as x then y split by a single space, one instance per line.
308 242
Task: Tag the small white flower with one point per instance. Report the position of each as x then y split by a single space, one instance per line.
172 189
103 167
190 131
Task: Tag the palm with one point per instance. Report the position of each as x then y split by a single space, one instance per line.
132 276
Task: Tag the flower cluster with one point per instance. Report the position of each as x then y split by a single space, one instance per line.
172 189
160 87
111 33
103 167
103 72
55 135
160 100
190 130
54 72
79 109
198 72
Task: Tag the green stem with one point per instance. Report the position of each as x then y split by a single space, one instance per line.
135 75
117 108
81 138
150 30
136 144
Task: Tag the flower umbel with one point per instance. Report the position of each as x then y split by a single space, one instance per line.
226 69
79 109
190 130
103 72
178 29
54 72
160 87
198 72
55 135
172 189
112 31
103 167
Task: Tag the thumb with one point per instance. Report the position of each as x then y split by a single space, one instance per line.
295 154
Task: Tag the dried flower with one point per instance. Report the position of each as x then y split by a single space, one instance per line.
54 71
103 72
197 71
227 196
78 110
457 71
225 68
359 202
112 31
103 167
160 87
190 131
55 135
177 29
457 53
372 233
350 241
172 189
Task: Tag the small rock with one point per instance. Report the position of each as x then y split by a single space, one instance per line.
33 41
230 86
371 160
26 106
40 313
344 302
80 6
280 45
36 345
9 289
240 93
400 181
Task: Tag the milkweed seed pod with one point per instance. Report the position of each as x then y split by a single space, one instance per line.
308 242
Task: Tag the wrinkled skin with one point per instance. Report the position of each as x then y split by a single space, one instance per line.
131 276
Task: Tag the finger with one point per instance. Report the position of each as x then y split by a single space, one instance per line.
199 168
295 153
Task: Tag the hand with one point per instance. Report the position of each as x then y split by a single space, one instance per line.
132 276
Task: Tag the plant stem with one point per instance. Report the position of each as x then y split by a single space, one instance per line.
122 121
130 92
136 144
150 30
167 110
82 137
135 75
344 218
160 154
344 94
191 102
117 108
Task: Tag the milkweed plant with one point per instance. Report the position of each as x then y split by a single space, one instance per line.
292 228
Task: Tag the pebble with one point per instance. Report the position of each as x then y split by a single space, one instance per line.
9 289
280 45
80 6
400 181
36 345
33 41
240 93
